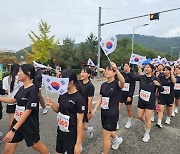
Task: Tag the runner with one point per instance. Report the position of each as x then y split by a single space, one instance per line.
167 96
126 96
109 101
11 85
88 94
70 109
147 98
26 119
176 91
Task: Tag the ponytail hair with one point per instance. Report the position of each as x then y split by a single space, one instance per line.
12 77
72 77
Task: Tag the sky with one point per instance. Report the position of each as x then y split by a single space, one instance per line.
78 18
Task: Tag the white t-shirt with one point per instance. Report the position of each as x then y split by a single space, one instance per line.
6 86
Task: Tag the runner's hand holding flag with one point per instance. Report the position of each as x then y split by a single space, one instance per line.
55 85
109 45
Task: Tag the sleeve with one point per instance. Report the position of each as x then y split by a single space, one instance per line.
80 105
137 77
132 88
160 88
91 91
5 83
101 90
2 91
33 99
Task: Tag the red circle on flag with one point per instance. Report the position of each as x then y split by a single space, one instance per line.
55 85
109 45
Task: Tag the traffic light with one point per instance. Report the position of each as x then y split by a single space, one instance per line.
154 16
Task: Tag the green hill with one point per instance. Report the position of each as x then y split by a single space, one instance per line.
159 44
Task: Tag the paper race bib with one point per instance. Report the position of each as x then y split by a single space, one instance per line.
177 86
145 95
63 122
126 87
166 90
105 103
19 111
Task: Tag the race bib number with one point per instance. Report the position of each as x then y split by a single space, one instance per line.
105 103
19 112
177 86
126 87
166 90
63 122
145 95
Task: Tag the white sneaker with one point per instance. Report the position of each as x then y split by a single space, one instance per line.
1 134
176 110
90 132
173 114
116 143
146 138
167 121
159 125
117 126
152 118
128 124
45 110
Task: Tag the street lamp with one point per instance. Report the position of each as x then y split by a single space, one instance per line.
172 51
134 27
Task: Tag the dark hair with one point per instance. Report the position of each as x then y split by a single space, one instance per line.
12 77
29 70
87 70
167 67
161 64
151 65
110 67
72 77
126 63
156 72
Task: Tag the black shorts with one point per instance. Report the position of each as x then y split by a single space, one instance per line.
166 100
63 146
0 114
1 110
29 139
123 99
10 109
177 95
148 105
109 123
85 118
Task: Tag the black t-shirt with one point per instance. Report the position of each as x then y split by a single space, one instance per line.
176 85
28 98
129 84
87 91
147 88
70 105
166 83
112 92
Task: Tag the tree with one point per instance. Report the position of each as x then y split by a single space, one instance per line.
42 45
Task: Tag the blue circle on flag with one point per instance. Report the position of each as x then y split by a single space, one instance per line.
136 59
109 45
55 85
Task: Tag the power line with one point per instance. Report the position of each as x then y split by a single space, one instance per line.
107 23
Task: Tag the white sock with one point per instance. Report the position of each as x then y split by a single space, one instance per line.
159 121
168 117
129 119
115 138
147 130
90 129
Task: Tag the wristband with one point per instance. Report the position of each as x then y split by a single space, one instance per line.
13 130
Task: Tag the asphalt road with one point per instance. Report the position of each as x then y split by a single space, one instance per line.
163 141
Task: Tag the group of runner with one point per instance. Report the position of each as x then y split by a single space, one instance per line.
158 85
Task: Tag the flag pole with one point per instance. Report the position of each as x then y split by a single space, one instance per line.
108 58
46 93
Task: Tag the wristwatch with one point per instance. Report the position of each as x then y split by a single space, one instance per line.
13 130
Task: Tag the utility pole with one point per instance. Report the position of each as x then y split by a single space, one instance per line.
99 39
